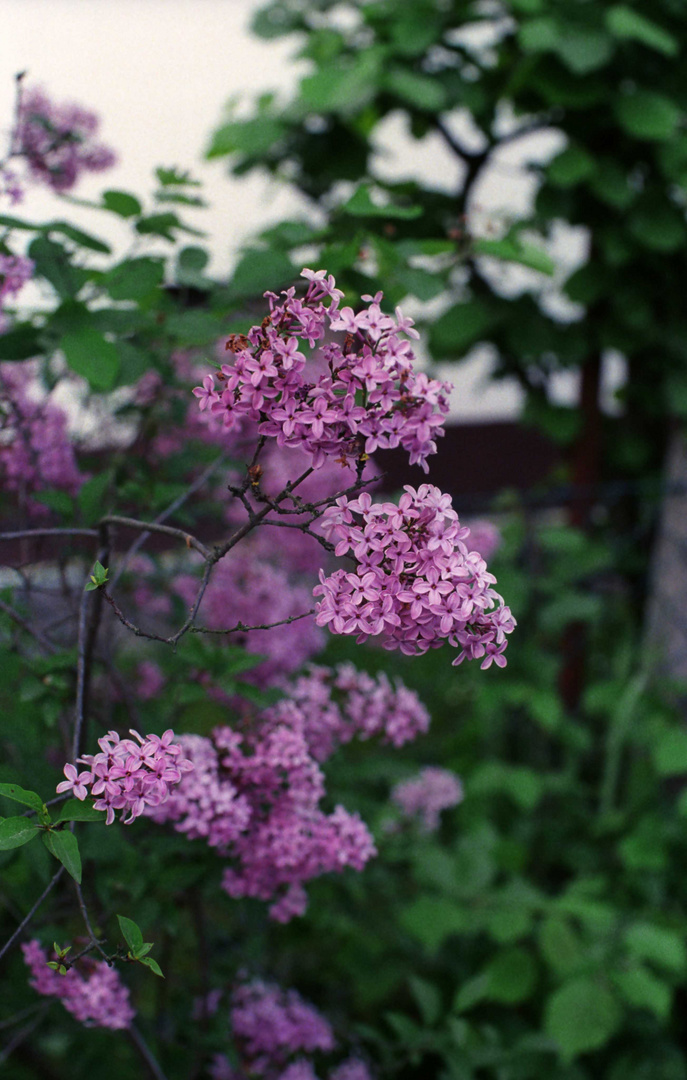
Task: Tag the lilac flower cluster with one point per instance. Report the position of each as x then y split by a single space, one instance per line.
427 794
415 582
15 271
354 395
245 587
338 704
10 187
256 798
35 450
96 998
485 537
271 1025
58 140
128 775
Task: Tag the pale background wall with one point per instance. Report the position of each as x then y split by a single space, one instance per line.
158 73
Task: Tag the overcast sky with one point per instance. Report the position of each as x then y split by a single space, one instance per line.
159 72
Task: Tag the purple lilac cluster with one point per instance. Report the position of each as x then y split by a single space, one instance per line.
92 993
10 186
341 703
359 392
58 140
424 796
128 775
15 271
270 1026
245 587
35 449
255 798
415 581
485 537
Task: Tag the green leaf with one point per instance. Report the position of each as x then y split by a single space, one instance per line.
152 964
419 91
20 343
582 1015
92 496
83 239
90 355
15 832
629 25
252 137
431 920
191 262
21 795
134 279
59 501
648 115
471 992
514 250
512 976
659 226
560 945
65 847
53 263
670 753
122 203
539 35
261 270
571 167
427 998
660 946
583 51
131 933
459 328
195 327
361 204
345 86
641 988
75 810
174 177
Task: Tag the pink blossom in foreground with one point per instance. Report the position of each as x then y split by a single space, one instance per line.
255 796
96 998
357 393
427 794
58 140
128 775
415 582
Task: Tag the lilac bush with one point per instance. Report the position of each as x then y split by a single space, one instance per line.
254 484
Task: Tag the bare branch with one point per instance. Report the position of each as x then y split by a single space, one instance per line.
27 918
21 621
241 627
151 527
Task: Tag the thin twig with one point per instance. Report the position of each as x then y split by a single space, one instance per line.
25 625
90 611
241 627
24 1033
145 1052
30 534
95 941
166 530
27 918
197 484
